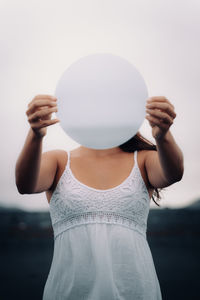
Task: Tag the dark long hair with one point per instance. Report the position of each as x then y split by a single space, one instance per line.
139 142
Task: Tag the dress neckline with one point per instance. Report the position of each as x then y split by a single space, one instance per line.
105 190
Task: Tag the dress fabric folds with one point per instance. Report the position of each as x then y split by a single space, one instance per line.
100 246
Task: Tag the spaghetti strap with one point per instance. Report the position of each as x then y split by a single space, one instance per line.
135 157
68 159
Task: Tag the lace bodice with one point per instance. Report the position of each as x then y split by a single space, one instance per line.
74 203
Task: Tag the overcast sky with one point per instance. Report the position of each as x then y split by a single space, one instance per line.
40 39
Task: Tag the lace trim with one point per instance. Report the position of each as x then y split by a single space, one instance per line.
97 217
73 204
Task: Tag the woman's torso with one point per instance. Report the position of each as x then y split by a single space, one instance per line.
102 173
100 245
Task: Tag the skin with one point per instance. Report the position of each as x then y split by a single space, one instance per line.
37 172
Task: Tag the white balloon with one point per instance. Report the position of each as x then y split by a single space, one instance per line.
101 100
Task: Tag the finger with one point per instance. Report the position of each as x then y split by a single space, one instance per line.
163 106
41 113
159 99
37 97
152 124
44 96
39 103
53 99
43 107
157 122
44 123
161 115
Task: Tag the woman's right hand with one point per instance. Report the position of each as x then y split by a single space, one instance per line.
39 113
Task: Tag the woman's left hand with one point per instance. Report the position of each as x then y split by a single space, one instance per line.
160 115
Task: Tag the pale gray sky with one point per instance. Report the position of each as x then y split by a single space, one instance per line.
40 39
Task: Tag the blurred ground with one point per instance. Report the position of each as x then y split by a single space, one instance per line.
26 251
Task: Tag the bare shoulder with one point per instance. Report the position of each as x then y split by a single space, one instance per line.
61 158
58 155
143 154
141 158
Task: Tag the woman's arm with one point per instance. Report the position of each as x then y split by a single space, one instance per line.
35 171
166 165
28 163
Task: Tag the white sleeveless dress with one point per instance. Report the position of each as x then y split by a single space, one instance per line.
100 246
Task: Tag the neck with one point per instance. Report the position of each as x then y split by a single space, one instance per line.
99 152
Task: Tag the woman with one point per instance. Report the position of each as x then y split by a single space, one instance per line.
99 203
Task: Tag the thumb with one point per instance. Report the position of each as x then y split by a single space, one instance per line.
152 124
